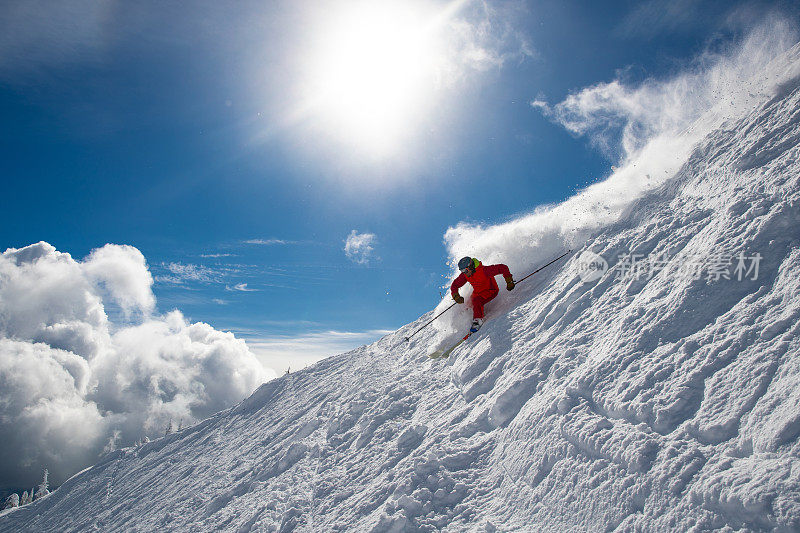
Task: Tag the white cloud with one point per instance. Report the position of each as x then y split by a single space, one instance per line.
268 242
482 36
540 103
186 274
46 420
359 247
168 368
122 270
298 351
189 272
65 364
239 287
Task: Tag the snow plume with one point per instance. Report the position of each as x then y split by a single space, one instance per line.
71 378
359 247
653 127
622 119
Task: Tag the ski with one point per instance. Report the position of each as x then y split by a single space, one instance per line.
439 354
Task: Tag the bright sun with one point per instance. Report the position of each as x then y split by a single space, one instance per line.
373 74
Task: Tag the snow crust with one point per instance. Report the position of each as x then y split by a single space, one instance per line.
654 404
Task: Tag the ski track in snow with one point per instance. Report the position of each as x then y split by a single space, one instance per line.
618 405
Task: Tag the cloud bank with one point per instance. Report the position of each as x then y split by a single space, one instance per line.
649 130
358 247
300 351
72 378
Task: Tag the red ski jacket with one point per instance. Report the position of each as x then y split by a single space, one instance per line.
482 281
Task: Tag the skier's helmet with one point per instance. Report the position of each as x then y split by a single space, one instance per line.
465 263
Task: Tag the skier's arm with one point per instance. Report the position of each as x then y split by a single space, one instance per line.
457 284
494 270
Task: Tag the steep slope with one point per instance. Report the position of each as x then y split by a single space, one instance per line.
663 402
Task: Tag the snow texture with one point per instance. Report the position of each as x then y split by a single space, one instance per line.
664 403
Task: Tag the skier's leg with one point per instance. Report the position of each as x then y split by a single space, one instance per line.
479 301
477 306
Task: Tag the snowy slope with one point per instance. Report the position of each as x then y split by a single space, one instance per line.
658 403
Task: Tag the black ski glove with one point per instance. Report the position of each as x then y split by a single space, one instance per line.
510 283
458 298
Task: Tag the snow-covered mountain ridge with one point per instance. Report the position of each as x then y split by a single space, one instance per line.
653 403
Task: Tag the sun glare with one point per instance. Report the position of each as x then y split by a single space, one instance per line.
373 75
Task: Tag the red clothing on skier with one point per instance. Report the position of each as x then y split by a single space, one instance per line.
484 286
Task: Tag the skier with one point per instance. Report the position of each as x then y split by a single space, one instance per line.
484 287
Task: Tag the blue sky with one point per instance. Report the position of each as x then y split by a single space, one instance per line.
213 139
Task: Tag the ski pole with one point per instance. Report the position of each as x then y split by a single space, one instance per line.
429 321
543 267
